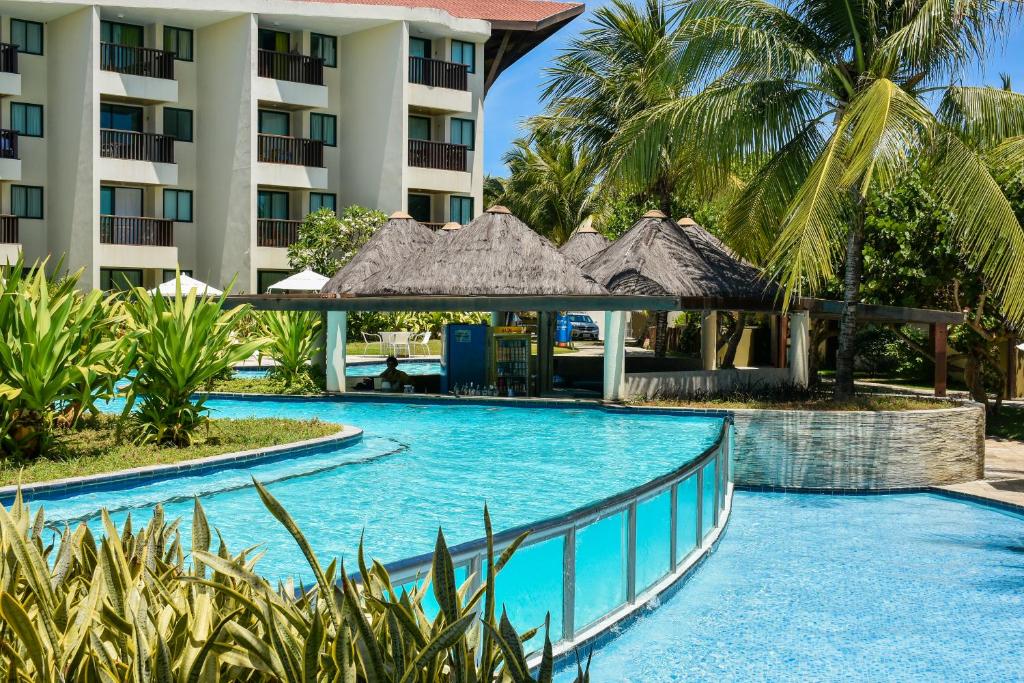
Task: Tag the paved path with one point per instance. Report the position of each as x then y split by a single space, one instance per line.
1004 473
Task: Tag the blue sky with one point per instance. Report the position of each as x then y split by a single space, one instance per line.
515 94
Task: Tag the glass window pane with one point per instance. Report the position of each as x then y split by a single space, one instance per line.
530 586
463 132
464 53
419 128
653 536
419 207
600 569
274 122
419 47
106 201
27 119
178 41
324 47
710 473
28 36
461 209
686 517
170 205
178 123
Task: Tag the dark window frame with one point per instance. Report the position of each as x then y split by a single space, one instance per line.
472 125
460 198
262 272
42 202
110 277
191 123
276 112
271 194
28 105
111 106
169 274
191 43
331 39
191 205
324 118
430 127
332 195
471 67
42 35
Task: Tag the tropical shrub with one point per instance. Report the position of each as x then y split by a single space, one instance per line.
406 321
58 355
129 607
327 241
180 344
292 342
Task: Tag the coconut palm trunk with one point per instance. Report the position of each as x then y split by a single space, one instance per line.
854 267
661 334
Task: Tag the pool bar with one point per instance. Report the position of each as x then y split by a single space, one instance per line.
597 565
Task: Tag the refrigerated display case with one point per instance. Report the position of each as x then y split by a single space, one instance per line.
510 363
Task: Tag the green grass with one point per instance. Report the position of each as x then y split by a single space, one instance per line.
264 385
862 402
1007 423
93 448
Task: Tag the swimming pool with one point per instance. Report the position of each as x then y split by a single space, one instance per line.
813 587
419 466
412 367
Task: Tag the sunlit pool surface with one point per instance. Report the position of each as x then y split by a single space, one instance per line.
811 588
413 367
419 466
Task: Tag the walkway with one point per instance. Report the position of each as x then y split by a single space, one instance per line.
1004 473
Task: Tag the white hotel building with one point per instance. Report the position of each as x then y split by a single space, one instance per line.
142 136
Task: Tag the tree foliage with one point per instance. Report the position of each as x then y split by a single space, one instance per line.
327 241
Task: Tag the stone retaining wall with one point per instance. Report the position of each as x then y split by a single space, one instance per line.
858 450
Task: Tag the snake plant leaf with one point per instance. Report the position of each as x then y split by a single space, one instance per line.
200 536
311 652
448 637
513 667
15 616
367 646
444 580
200 661
545 672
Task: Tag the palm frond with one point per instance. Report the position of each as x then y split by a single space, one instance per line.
983 116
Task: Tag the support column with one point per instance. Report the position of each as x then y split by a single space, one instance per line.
496 319
545 352
337 334
939 334
709 340
614 355
781 340
1011 367
800 348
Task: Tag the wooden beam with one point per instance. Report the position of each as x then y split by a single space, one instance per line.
939 332
496 63
823 308
299 302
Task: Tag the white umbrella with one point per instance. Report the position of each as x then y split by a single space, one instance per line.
187 284
306 281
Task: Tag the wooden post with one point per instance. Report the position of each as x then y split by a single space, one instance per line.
1011 368
545 352
783 337
938 334
800 348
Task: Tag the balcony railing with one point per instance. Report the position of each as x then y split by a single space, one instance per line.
129 144
8 58
440 155
137 61
8 229
136 231
276 232
290 66
438 73
432 226
8 144
281 149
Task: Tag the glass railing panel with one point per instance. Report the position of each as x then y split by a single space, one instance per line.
600 568
430 606
653 540
530 586
686 519
707 520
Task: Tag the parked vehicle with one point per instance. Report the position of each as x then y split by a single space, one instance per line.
583 326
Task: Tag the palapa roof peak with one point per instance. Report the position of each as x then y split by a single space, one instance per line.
393 243
658 256
686 221
498 208
654 213
495 255
584 242
451 225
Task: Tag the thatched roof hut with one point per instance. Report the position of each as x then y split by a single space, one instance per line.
584 242
495 255
450 227
395 242
660 257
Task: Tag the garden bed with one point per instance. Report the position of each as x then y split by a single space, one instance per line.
93 448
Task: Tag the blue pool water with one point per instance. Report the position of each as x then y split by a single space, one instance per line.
812 588
418 467
360 369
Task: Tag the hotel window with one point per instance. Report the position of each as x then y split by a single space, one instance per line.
419 128
419 47
272 205
178 41
120 278
463 132
266 278
419 207
27 119
28 36
120 117
178 205
324 127
120 201
464 53
324 47
178 124
27 201
275 41
461 209
129 35
169 274
274 122
322 200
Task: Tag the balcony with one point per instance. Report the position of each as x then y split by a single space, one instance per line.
276 232
435 73
290 162
290 66
136 231
134 157
139 73
10 164
8 229
443 156
10 79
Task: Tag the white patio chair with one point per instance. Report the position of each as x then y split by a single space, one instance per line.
369 339
423 340
401 340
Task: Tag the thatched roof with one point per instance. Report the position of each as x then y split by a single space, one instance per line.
450 227
584 242
394 242
495 255
659 257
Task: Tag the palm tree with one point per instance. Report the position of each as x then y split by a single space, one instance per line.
550 185
830 99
